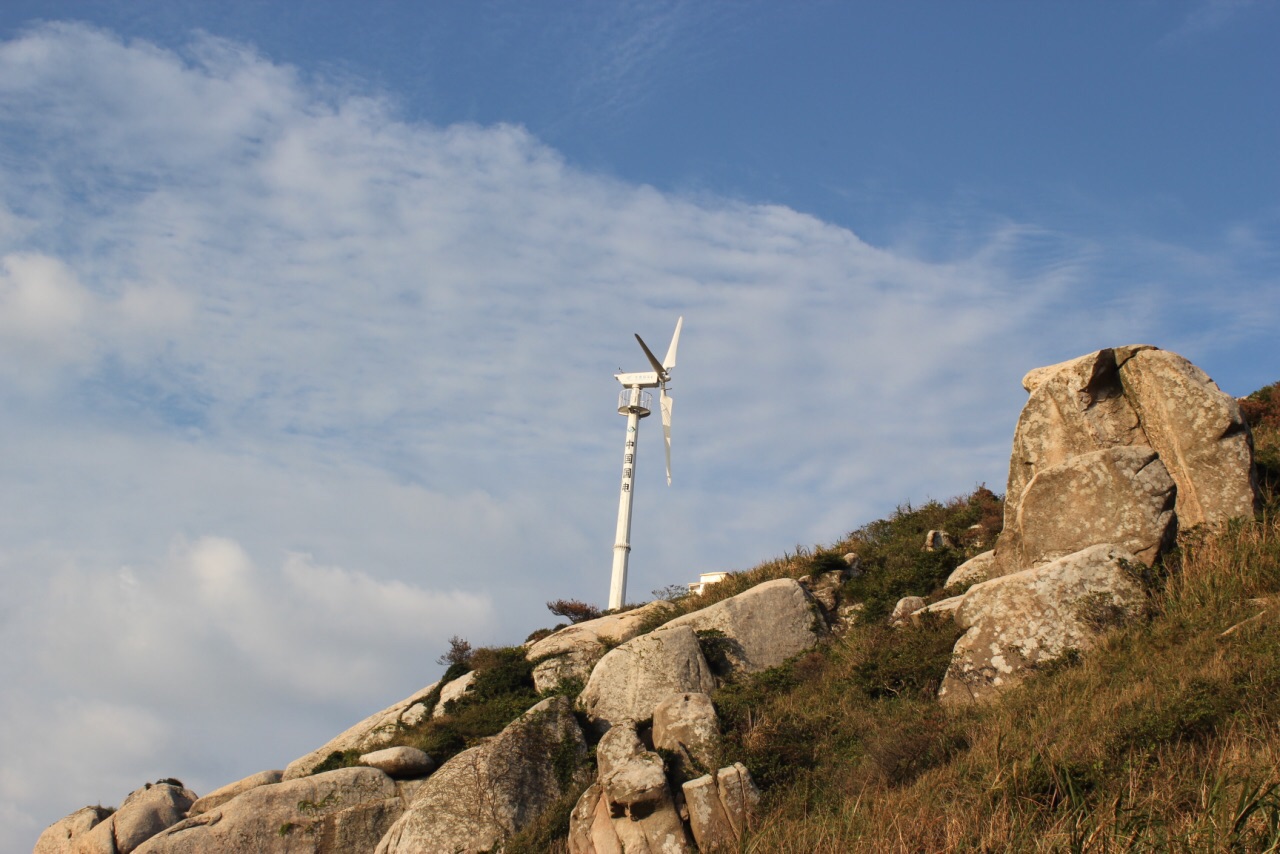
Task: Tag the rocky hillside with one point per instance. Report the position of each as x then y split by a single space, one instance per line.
1089 663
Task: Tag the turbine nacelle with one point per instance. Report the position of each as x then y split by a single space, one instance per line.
646 379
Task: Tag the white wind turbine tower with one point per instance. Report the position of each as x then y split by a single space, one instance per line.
634 403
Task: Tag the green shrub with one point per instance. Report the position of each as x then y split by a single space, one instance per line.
574 610
671 593
892 556
458 654
501 690
338 759
909 661
717 648
538 634
500 672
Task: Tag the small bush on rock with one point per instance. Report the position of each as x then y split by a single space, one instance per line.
573 610
501 691
338 759
458 655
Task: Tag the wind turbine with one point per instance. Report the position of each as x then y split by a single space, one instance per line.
634 402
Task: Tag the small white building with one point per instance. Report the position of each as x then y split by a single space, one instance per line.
705 579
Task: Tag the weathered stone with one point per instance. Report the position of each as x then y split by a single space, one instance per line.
975 537
934 540
61 836
1029 618
593 829
847 615
591 826
571 652
739 795
345 810
660 832
630 681
1121 495
825 588
453 691
906 606
1074 408
400 763
1128 397
218 797
370 734
633 777
146 812
711 829
687 726
766 625
415 714
943 609
973 570
1199 433
489 792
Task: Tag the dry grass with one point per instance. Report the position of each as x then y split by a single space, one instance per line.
1164 738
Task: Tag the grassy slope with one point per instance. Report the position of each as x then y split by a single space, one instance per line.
1165 738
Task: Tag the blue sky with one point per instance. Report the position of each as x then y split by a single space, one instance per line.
309 316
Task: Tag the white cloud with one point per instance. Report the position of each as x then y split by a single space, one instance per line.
343 387
42 311
116 675
207 604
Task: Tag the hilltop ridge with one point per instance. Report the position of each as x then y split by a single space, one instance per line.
795 706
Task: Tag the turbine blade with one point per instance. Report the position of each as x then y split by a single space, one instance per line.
670 361
653 360
666 403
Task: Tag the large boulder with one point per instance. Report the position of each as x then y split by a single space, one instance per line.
400 763
629 682
571 652
489 792
943 609
1121 495
1199 433
1128 397
1030 618
902 611
61 836
974 570
766 625
707 819
218 797
633 777
721 807
345 810
370 734
453 691
739 795
687 727
589 824
146 812
1073 408
825 588
594 828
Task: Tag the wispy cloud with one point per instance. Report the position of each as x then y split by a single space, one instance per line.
1206 16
